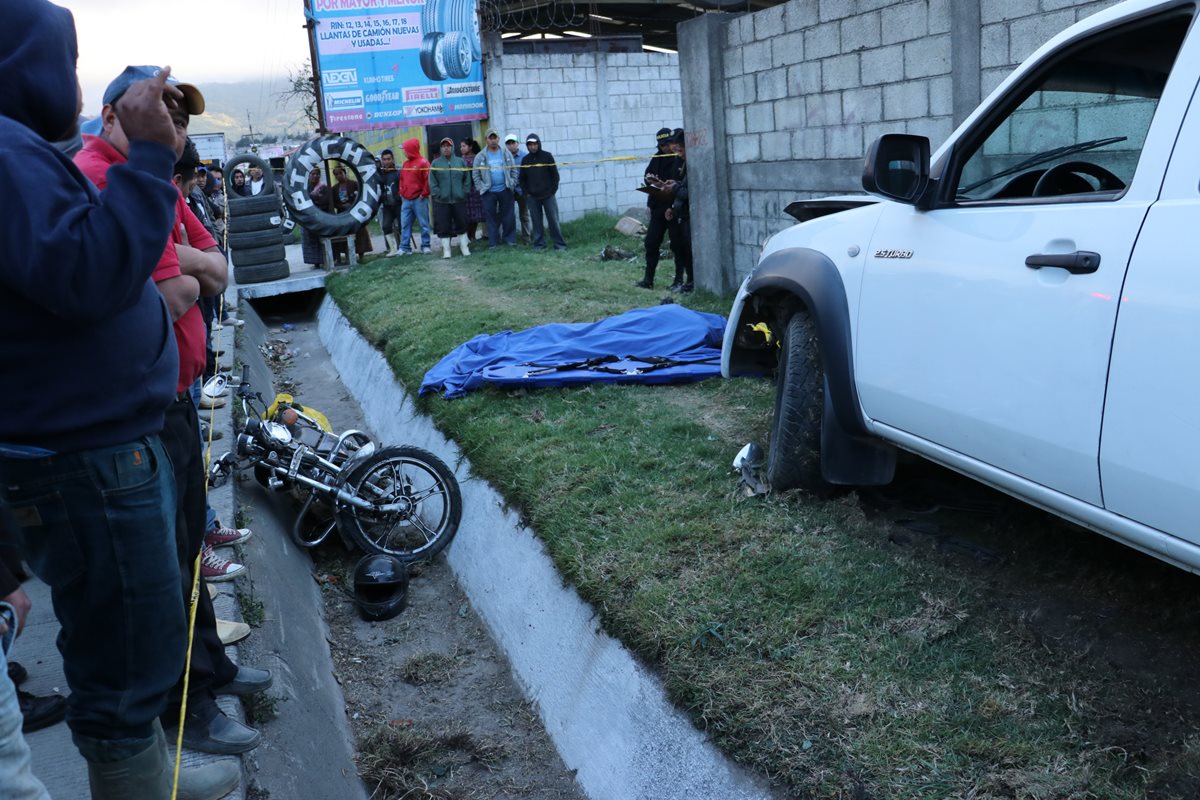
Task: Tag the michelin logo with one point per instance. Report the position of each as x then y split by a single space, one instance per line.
337 101
333 78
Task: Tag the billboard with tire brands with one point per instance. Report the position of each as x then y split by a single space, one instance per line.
392 63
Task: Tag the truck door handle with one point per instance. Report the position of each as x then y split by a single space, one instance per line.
1081 262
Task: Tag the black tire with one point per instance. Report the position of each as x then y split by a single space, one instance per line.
256 222
240 206
455 54
253 161
295 186
389 476
430 48
261 272
794 460
254 256
429 16
242 241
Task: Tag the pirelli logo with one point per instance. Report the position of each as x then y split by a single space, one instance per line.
893 253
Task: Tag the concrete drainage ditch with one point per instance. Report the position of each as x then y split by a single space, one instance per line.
607 716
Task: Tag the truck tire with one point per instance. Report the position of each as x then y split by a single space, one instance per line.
428 57
261 272
241 206
794 459
261 238
269 220
253 161
259 255
455 53
295 186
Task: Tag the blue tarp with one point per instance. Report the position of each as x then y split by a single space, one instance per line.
689 340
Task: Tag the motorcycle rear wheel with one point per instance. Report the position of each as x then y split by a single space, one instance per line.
407 476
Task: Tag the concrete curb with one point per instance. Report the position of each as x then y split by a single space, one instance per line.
607 715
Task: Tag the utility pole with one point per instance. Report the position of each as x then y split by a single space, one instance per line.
250 135
310 24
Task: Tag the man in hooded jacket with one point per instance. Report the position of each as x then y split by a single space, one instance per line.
84 479
414 196
539 180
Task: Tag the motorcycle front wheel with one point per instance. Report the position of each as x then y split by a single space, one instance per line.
425 493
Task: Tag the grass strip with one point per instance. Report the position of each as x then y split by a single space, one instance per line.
788 628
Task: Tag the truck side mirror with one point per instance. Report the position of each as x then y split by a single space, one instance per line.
897 167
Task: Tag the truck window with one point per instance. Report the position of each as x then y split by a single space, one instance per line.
1079 126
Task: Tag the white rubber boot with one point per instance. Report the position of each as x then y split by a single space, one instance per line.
462 245
445 248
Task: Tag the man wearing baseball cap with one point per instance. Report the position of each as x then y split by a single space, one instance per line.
513 145
190 266
85 482
449 184
495 179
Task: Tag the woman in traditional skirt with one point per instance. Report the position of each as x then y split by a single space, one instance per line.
469 148
310 243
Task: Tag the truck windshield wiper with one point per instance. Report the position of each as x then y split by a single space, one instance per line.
1042 158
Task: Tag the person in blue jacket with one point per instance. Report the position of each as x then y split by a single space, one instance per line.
90 364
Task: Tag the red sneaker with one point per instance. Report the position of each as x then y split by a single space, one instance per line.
216 569
221 536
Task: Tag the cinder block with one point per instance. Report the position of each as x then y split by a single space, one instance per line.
991 78
941 96
771 85
732 66
757 57
1027 35
1001 10
804 78
740 91
844 141
787 49
789 113
840 72
938 129
823 109
930 56
882 65
739 203
733 34
776 146
745 25
745 148
760 117
800 14
905 22
735 121
823 41
906 100
862 105
808 143
993 46
939 16
836 9
860 32
768 23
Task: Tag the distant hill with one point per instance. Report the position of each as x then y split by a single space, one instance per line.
227 104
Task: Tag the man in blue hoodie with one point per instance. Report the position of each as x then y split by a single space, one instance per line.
84 479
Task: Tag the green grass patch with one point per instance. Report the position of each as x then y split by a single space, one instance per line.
788 628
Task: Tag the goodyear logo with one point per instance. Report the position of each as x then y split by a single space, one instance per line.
339 77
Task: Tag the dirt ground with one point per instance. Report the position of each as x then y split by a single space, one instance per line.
431 699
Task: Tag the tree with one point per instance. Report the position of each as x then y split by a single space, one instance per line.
304 89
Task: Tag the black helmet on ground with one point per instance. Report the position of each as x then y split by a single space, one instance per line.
380 587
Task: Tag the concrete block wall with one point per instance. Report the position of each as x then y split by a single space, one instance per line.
586 107
806 86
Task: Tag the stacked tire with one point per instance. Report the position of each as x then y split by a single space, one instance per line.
256 229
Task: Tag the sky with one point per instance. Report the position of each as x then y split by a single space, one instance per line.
204 41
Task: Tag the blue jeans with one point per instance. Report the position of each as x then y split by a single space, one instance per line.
98 526
501 222
420 207
548 206
16 777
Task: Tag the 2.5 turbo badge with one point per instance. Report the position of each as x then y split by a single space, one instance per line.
893 253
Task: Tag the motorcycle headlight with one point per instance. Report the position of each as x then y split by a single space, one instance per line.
277 434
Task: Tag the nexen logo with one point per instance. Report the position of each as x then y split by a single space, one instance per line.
339 77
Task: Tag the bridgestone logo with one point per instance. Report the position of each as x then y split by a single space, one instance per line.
461 89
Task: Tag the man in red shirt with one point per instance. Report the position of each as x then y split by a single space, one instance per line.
191 266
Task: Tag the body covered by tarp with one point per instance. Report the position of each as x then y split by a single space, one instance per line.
667 343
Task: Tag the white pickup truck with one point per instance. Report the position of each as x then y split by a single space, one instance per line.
1023 307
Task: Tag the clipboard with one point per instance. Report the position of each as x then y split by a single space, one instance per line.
656 193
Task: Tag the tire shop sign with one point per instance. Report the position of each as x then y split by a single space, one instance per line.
394 63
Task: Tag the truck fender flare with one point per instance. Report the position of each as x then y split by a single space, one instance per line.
814 281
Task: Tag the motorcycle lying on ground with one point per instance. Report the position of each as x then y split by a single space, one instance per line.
398 500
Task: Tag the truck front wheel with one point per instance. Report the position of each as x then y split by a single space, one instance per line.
794 460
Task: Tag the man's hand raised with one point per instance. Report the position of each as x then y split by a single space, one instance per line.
145 108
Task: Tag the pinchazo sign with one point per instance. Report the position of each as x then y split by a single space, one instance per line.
390 63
